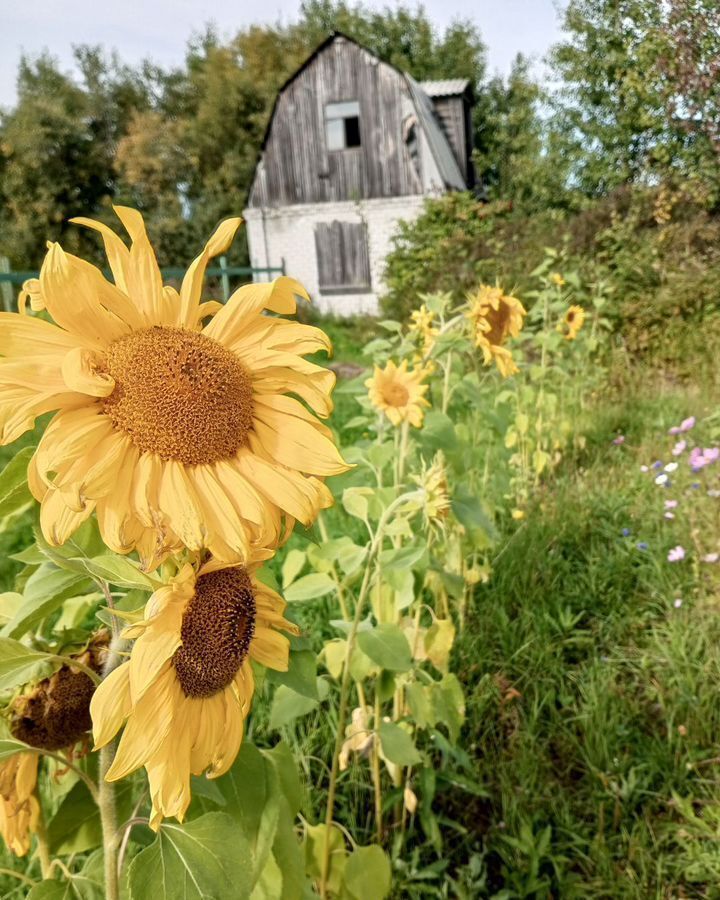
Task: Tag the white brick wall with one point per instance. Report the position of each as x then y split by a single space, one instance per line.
286 235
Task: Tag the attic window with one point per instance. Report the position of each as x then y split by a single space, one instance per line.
342 125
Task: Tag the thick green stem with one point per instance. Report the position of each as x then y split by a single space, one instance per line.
43 848
108 819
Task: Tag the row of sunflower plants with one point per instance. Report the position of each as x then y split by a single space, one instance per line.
173 507
435 466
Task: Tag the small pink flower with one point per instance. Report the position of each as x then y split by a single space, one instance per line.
670 504
676 554
620 439
687 424
711 557
679 448
669 515
643 468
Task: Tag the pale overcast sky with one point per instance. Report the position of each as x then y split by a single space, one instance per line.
159 29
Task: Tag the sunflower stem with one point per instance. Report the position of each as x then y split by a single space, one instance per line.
345 683
43 847
108 819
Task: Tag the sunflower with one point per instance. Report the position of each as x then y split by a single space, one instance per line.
421 327
175 433
186 690
574 318
434 482
19 807
495 317
52 715
399 393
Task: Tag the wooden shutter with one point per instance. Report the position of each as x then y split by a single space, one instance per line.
343 258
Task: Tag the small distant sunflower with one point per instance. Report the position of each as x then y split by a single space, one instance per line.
398 393
495 317
557 279
53 715
434 482
186 690
573 321
175 433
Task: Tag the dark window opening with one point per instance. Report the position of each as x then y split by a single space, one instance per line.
342 125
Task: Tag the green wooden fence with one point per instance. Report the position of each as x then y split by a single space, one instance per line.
241 274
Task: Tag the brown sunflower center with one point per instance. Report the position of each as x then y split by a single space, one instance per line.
396 394
499 321
57 714
217 629
179 394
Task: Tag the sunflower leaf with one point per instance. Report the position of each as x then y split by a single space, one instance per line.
117 570
14 491
44 592
309 587
367 873
19 664
9 747
208 857
397 745
387 646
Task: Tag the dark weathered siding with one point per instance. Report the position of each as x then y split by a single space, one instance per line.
296 166
343 258
453 113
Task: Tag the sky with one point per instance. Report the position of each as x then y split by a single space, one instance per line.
159 29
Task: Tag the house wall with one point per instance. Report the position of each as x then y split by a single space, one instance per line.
286 236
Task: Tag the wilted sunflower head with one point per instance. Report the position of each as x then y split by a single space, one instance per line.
399 393
434 482
185 692
574 319
495 317
53 714
176 430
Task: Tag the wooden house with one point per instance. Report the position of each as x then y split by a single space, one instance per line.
353 146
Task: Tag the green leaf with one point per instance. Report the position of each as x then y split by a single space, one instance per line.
76 826
208 857
355 501
44 593
282 759
387 646
77 888
438 432
401 559
288 705
301 675
368 873
291 568
469 511
9 747
117 570
309 587
14 491
397 745
19 664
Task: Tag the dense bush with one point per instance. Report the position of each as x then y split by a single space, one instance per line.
656 251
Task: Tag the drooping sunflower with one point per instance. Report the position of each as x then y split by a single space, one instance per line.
399 393
433 480
422 329
495 317
186 690
175 433
52 715
573 321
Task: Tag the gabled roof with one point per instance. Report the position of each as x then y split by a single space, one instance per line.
449 87
439 144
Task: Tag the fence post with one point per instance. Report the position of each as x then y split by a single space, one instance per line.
224 278
6 288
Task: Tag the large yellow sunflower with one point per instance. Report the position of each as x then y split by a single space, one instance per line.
495 317
174 433
187 687
398 393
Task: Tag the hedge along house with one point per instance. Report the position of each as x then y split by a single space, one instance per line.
353 146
